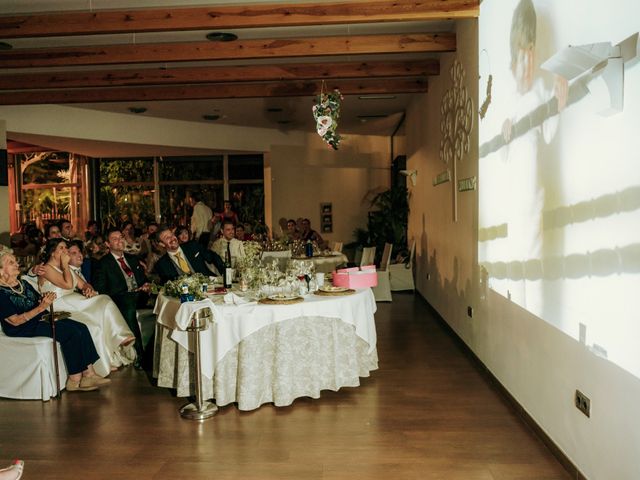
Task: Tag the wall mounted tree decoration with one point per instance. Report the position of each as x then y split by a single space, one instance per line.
456 121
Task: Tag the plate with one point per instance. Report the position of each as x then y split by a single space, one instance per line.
332 289
280 296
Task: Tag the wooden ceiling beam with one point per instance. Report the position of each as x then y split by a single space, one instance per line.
233 17
240 73
241 49
218 90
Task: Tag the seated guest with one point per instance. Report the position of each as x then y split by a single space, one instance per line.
111 336
228 243
308 233
81 264
92 231
183 234
21 311
241 234
52 230
122 277
66 229
145 243
131 244
292 233
190 257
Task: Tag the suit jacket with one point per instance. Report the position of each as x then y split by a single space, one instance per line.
109 278
195 254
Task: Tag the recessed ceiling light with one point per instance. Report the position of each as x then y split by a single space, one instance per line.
274 110
377 97
221 37
137 110
211 117
284 122
5 46
382 115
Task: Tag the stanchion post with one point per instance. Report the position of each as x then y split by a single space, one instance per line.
55 349
200 409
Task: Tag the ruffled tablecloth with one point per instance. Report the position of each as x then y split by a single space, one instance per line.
270 353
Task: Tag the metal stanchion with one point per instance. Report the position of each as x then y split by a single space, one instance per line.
200 409
55 348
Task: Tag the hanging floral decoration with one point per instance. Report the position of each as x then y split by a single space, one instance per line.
326 112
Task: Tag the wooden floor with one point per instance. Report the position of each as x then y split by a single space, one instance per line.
425 414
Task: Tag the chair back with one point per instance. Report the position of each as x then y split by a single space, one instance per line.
386 257
337 247
368 256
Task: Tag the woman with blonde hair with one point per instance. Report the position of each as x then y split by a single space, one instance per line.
21 314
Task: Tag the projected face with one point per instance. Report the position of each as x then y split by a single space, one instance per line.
523 70
559 192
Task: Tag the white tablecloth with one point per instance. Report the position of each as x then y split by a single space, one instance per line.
233 323
270 353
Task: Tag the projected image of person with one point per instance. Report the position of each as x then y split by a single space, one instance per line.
521 153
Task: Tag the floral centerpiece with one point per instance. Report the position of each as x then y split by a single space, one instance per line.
249 265
326 112
194 283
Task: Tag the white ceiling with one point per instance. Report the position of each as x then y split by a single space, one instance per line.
359 115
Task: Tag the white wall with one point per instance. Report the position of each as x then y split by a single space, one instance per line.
304 176
537 363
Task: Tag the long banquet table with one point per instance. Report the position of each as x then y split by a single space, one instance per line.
256 353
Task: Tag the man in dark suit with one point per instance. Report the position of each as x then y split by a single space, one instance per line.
122 277
190 257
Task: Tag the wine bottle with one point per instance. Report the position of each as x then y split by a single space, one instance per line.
228 271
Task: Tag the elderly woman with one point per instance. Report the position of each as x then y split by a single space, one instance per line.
112 337
21 312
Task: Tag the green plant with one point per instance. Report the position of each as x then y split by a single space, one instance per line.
387 222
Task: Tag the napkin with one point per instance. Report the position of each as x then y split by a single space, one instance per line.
233 299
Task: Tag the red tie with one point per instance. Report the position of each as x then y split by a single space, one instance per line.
125 267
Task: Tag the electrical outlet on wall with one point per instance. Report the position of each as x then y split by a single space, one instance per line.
582 403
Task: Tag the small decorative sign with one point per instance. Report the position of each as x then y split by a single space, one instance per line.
467 184
443 177
326 217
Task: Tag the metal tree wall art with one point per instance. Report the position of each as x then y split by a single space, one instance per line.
456 121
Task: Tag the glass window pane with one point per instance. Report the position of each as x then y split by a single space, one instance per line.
117 170
175 210
246 167
52 168
44 204
126 203
248 203
191 168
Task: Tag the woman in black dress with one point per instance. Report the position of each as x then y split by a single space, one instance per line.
21 312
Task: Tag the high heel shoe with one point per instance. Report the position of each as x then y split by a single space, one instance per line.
14 472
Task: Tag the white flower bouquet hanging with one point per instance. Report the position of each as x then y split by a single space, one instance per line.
326 112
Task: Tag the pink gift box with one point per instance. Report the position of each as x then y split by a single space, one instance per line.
356 277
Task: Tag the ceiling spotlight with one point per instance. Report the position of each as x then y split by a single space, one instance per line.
221 37
367 117
284 122
274 110
211 117
137 110
5 46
